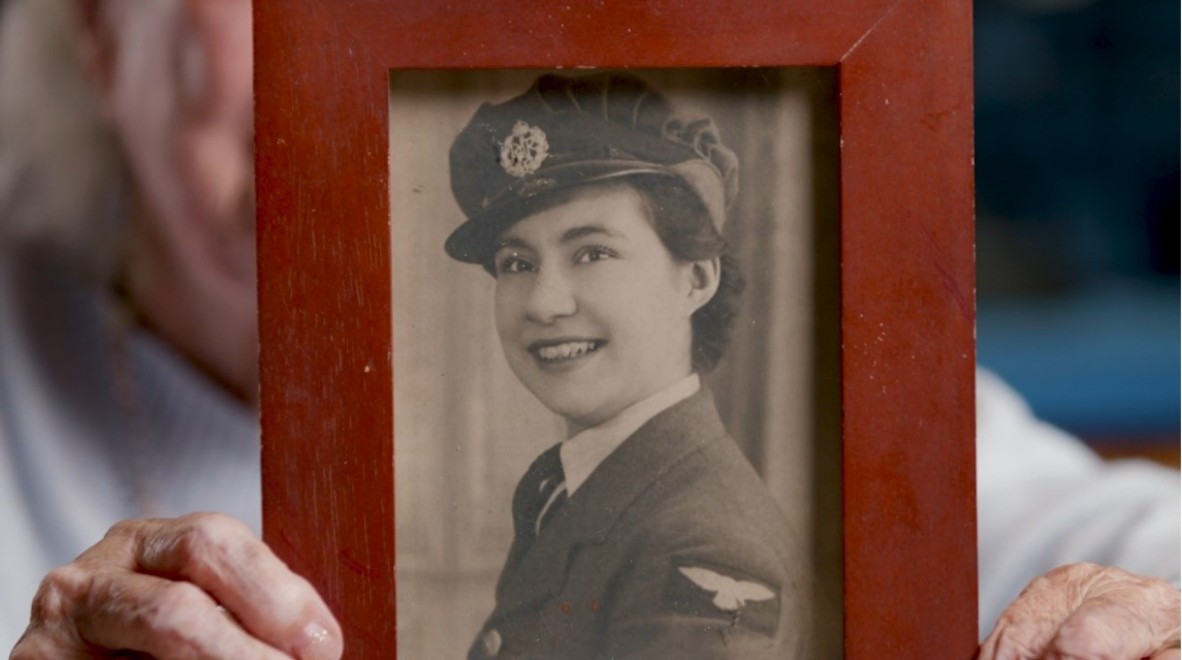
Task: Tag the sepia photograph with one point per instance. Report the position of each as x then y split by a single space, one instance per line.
513 399
616 379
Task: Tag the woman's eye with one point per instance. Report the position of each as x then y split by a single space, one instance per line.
593 253
514 264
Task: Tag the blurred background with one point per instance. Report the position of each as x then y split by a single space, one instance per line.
1077 214
1078 185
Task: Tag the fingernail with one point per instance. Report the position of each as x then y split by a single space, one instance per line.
317 644
316 633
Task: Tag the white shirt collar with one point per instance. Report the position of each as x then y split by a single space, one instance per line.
584 451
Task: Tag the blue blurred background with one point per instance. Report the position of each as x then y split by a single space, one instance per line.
1077 205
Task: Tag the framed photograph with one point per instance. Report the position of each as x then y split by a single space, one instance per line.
396 423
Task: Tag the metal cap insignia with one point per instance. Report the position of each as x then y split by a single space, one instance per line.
523 150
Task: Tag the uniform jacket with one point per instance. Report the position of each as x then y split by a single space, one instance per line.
672 548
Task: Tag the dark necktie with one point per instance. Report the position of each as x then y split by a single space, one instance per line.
542 483
543 492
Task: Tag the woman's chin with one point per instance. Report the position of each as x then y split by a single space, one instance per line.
573 409
577 405
565 386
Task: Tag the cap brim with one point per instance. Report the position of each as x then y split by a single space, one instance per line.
475 240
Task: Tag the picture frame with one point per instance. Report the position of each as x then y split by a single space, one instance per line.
903 72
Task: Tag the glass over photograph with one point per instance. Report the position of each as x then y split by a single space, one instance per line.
616 370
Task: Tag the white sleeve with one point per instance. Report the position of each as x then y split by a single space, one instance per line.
1044 499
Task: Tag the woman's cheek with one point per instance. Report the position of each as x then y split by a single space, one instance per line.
506 309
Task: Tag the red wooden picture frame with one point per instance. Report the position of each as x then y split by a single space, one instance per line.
906 278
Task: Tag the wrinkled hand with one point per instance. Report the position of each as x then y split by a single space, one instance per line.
201 586
1088 611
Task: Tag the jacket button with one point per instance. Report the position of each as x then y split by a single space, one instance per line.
491 642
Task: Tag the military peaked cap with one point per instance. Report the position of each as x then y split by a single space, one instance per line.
566 131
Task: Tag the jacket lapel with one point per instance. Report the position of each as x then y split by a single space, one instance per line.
537 571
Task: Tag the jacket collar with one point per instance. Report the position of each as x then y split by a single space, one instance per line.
593 511
584 451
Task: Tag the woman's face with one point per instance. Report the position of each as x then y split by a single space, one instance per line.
592 310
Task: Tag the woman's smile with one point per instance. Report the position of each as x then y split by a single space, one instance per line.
563 352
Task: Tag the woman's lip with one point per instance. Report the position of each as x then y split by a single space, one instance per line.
543 343
556 353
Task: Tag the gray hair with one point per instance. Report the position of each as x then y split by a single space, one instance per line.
63 180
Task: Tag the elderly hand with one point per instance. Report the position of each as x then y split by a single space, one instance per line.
1088 611
201 586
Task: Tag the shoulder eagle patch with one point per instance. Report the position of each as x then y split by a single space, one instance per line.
735 599
730 595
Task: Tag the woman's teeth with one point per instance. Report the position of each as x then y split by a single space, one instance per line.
567 351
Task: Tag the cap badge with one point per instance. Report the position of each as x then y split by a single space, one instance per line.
524 150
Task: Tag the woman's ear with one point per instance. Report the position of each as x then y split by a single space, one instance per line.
704 278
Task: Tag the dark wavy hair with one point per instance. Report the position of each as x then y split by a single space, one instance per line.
683 224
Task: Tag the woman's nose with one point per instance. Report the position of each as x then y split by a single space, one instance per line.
552 297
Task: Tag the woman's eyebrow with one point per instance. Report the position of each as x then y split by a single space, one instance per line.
511 242
572 234
581 231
